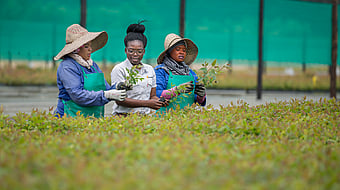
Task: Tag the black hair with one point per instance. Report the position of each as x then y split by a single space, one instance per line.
135 32
181 42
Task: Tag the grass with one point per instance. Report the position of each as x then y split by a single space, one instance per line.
23 75
276 79
240 78
284 145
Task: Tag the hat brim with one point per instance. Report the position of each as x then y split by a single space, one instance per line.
192 52
98 39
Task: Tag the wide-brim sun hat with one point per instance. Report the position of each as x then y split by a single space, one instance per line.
172 39
76 36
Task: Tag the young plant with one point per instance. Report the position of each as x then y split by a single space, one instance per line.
131 78
176 92
208 73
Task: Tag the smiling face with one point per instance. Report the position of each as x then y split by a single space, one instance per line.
179 53
85 51
135 51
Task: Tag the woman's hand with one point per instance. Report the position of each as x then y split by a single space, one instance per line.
123 86
155 104
186 87
117 95
200 89
165 101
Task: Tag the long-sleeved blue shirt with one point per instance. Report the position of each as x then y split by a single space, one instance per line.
162 78
70 81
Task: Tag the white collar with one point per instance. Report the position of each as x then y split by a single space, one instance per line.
129 64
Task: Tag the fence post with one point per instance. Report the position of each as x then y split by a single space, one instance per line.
260 69
304 53
83 13
334 48
182 18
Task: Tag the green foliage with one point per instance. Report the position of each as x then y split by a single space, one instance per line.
175 92
238 79
208 73
132 78
285 145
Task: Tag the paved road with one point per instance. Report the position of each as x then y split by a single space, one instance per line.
24 99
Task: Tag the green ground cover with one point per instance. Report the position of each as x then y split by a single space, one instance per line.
285 145
244 78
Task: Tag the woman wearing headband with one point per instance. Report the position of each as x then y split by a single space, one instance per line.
82 86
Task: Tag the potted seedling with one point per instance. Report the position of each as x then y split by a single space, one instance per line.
131 78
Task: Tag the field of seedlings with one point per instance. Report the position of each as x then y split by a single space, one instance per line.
243 77
287 145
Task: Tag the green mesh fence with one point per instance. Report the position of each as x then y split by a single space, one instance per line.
294 31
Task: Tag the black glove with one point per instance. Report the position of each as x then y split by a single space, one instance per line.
162 99
123 86
188 87
200 89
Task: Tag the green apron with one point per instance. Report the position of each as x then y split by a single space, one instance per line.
92 82
182 101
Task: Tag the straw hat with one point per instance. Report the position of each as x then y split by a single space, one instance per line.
77 36
172 39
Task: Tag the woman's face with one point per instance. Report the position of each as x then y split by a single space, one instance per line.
85 51
135 51
179 53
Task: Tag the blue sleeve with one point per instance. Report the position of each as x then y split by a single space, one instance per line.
196 78
194 75
162 78
72 78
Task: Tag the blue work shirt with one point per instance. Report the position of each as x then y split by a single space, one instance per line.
162 78
70 81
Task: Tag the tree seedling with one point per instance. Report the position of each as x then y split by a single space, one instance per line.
208 73
131 78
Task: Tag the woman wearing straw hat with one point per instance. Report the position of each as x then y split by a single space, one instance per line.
142 98
174 77
82 86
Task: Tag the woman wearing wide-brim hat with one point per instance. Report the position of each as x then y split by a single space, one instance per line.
83 89
173 75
